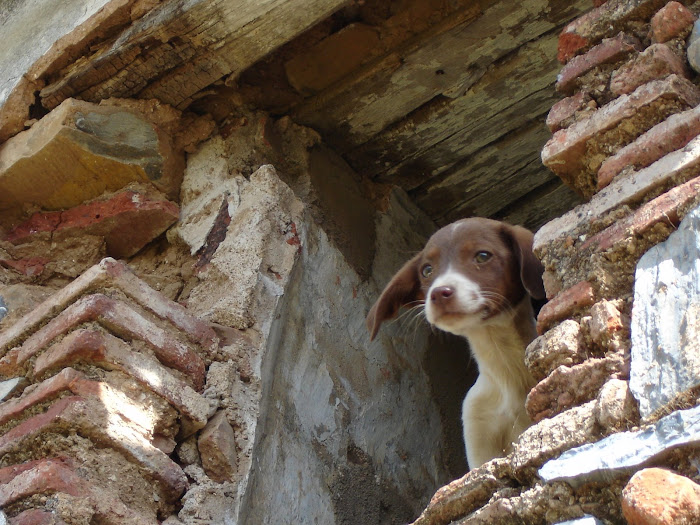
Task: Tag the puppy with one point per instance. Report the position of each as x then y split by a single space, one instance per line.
475 278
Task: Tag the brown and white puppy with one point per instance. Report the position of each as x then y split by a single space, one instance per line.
475 278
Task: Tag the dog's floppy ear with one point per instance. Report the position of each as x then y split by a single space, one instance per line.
531 268
403 288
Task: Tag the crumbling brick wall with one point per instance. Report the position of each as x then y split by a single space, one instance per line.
625 138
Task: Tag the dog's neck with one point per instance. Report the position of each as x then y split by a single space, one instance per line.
499 346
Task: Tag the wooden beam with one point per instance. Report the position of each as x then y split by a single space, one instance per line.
182 46
448 61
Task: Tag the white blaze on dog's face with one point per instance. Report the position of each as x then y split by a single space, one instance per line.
468 273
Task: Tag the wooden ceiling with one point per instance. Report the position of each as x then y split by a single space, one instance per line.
446 98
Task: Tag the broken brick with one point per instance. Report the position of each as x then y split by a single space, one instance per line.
127 220
655 62
671 21
670 135
217 448
565 304
40 477
36 517
610 50
563 112
655 495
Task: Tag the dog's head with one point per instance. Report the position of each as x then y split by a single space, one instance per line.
469 272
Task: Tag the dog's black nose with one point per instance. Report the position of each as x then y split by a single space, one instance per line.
441 294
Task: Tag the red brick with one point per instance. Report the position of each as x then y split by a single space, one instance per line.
30 267
41 477
657 496
567 152
604 21
118 317
670 135
623 190
128 221
655 62
662 209
36 517
673 20
90 419
113 274
567 387
564 305
563 112
217 448
610 50
113 353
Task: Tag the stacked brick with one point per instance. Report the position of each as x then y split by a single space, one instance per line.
626 137
107 376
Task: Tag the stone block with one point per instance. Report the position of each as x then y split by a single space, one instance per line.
623 190
616 408
567 386
127 220
550 437
562 345
654 496
610 50
656 62
78 152
576 153
620 454
604 21
217 449
673 20
10 387
565 304
466 494
563 113
670 135
666 319
118 317
101 349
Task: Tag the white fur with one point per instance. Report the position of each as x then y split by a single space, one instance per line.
493 412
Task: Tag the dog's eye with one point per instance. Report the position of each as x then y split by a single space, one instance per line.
426 271
482 256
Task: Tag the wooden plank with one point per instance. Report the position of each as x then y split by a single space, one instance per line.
515 90
182 46
540 206
445 62
489 180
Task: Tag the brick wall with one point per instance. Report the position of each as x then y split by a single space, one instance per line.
625 138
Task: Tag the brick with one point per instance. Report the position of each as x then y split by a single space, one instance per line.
59 475
79 151
565 304
616 408
604 21
90 419
113 274
663 209
120 318
606 321
654 496
36 517
112 353
670 135
655 62
623 190
610 50
576 153
564 111
567 387
673 20
127 221
217 448
30 266
562 345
